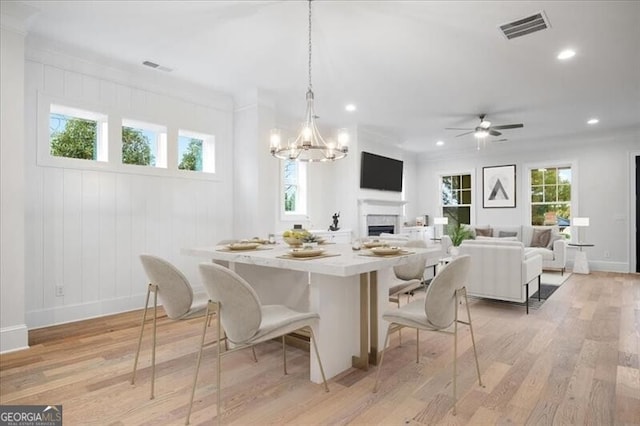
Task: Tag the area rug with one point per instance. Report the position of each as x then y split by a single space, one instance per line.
549 283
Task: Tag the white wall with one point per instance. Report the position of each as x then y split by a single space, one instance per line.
602 177
13 331
86 227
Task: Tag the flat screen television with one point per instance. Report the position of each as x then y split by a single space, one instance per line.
378 172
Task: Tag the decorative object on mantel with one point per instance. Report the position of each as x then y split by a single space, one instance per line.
335 226
499 186
309 146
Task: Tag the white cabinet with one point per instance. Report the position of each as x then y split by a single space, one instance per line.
339 236
418 232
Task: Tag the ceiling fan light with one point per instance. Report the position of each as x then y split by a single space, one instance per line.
485 124
481 133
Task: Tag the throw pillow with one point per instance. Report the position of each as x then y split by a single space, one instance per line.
488 232
553 239
540 237
503 234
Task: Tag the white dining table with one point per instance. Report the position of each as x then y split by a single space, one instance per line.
341 286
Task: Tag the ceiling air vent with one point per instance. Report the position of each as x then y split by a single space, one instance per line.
156 66
525 26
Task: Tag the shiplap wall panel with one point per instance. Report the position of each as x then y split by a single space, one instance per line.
107 236
90 88
73 196
123 235
139 240
124 97
108 93
53 242
90 225
86 228
54 80
72 85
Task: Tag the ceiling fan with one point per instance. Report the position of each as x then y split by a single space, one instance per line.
485 128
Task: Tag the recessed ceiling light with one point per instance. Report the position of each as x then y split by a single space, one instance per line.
566 54
593 121
440 143
350 107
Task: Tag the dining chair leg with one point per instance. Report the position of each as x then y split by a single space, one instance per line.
315 347
195 376
284 356
153 352
473 340
400 329
455 351
417 345
144 320
218 372
384 349
253 349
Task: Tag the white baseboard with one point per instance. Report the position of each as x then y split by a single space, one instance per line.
602 266
83 311
14 338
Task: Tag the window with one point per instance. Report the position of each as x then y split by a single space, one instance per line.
196 152
551 196
76 133
144 144
294 178
456 197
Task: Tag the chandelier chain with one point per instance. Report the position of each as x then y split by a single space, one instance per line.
310 86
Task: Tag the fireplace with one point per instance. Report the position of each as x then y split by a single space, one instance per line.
377 216
377 224
375 230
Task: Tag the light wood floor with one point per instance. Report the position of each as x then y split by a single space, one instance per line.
573 361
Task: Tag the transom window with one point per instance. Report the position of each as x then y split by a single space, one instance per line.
456 198
196 152
76 133
144 144
551 196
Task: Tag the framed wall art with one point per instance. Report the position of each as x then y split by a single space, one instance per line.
499 186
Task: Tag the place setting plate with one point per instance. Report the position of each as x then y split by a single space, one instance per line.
243 246
307 254
386 251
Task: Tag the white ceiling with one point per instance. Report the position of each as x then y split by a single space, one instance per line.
411 67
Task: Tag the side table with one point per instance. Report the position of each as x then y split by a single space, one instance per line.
580 262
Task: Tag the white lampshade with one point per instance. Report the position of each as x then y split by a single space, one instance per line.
440 220
580 221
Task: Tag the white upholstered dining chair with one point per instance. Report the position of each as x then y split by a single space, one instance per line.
245 320
410 276
437 312
176 296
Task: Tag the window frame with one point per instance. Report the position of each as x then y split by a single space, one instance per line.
574 203
208 151
471 206
160 141
113 138
301 212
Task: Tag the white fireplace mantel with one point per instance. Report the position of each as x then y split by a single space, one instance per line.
373 206
380 202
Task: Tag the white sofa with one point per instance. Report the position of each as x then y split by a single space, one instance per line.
502 270
554 254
